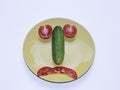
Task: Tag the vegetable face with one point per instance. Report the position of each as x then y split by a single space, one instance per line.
57 34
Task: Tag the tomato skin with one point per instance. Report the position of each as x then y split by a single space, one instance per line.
69 30
45 32
58 69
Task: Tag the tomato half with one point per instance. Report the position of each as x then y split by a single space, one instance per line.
69 30
45 32
59 69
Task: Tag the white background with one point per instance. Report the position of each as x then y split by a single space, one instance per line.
100 17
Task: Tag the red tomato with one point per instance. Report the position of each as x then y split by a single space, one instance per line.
69 30
45 32
61 70
66 70
71 73
44 71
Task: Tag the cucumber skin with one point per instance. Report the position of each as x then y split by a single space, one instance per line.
58 45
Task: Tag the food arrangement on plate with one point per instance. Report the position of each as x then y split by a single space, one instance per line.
57 34
59 50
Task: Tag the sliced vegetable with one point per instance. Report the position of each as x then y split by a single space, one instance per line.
59 69
45 71
66 70
69 30
58 45
45 32
71 73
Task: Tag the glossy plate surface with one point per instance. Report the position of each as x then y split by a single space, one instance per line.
79 51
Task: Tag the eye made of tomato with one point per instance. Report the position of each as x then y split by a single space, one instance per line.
45 32
69 30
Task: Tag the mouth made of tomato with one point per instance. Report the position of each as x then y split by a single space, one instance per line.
44 71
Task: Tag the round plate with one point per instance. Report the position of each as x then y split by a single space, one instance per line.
79 51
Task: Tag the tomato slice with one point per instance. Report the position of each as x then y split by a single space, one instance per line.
65 70
71 73
58 69
45 32
69 30
45 71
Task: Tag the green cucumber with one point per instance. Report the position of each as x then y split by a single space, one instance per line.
58 45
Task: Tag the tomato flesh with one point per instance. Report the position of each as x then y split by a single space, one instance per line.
59 69
69 30
45 32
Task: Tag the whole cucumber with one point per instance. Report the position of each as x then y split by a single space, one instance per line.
58 45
